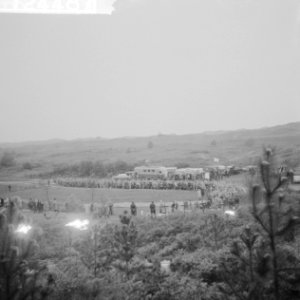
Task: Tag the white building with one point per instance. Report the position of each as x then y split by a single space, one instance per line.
151 172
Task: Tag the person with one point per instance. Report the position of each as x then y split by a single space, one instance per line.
55 206
176 205
67 206
173 207
36 201
152 209
133 209
92 208
110 209
38 206
2 202
161 207
185 206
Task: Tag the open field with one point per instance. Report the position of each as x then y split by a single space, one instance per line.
84 195
120 197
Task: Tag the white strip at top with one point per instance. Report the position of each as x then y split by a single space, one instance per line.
57 6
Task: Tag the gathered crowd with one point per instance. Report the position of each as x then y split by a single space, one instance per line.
207 195
156 184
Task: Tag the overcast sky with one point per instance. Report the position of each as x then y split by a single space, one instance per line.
152 66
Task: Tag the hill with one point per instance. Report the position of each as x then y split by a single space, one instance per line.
240 147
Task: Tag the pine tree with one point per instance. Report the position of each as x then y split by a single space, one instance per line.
125 239
263 264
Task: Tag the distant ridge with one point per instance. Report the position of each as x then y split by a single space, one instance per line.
238 147
294 125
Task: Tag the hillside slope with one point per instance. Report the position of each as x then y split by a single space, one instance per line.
231 147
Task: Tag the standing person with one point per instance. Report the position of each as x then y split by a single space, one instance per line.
176 205
161 207
110 209
41 206
152 210
55 206
38 206
133 209
92 208
36 203
185 206
173 206
2 202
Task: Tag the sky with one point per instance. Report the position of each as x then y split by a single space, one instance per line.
144 67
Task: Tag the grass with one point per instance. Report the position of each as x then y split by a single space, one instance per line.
86 195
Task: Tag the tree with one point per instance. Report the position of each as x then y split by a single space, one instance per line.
125 239
274 218
263 264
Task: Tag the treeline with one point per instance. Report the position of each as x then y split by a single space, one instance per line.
91 169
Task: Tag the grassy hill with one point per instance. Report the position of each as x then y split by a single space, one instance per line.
240 147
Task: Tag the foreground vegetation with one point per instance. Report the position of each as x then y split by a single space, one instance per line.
253 254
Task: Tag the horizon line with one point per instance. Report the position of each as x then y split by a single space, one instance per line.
140 136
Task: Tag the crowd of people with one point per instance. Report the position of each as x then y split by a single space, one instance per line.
133 184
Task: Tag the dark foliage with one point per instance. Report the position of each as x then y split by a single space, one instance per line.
21 277
263 263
